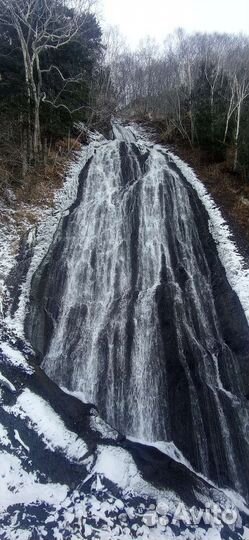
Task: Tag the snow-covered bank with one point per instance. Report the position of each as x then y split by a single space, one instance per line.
106 498
53 487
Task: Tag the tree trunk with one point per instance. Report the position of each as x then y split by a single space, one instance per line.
24 155
27 69
228 116
226 129
68 141
24 147
191 105
191 124
36 94
45 152
212 114
37 130
235 165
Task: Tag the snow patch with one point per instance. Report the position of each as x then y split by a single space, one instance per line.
48 424
5 382
18 486
106 431
118 466
246 534
4 439
15 357
18 439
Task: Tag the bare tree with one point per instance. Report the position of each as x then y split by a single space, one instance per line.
197 84
237 71
215 47
41 25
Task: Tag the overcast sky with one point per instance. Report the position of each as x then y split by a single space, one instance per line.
157 18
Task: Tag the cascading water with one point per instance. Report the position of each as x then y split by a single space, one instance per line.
131 307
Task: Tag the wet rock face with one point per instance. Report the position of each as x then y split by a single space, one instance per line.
19 272
131 306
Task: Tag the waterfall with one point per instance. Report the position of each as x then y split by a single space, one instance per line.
132 308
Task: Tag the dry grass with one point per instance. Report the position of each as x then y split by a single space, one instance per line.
39 187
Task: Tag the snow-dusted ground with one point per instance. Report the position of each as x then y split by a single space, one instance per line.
7 250
109 499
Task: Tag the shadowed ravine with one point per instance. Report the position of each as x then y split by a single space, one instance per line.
131 306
